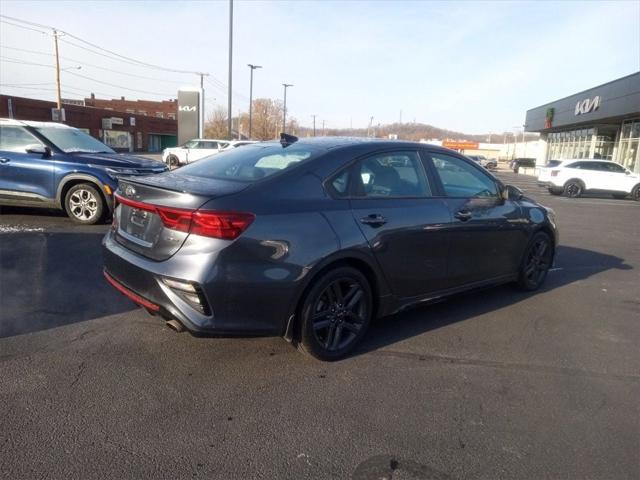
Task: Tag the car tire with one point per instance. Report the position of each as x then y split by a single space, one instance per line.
173 162
635 193
335 314
84 204
573 189
536 262
554 191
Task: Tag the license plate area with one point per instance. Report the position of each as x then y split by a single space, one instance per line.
139 226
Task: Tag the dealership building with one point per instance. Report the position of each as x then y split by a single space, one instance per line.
601 122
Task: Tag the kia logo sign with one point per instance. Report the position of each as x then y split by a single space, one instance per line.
187 108
587 105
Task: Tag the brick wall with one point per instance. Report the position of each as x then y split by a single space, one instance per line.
89 118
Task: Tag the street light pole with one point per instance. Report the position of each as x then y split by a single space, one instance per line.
201 106
229 126
252 67
314 125
284 116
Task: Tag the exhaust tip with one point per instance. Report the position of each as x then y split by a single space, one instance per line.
175 325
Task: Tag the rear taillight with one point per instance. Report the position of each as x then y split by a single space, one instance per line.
224 225
554 173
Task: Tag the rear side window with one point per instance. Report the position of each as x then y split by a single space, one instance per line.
459 179
553 163
250 163
392 175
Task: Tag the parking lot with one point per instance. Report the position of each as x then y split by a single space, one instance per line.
497 384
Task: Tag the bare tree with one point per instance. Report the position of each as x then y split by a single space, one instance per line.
216 124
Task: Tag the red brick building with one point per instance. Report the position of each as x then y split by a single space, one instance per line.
122 131
148 108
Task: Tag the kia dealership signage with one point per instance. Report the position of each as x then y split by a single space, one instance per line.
587 105
189 116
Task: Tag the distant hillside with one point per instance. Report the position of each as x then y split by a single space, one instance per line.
414 132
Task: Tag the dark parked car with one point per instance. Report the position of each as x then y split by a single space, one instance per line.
517 163
51 165
488 163
312 239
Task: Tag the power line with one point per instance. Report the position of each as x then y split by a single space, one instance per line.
93 45
22 26
98 50
119 86
91 65
24 62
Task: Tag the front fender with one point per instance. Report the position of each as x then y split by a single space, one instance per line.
100 180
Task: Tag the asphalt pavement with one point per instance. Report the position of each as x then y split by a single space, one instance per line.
498 384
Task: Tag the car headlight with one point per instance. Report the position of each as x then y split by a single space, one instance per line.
115 172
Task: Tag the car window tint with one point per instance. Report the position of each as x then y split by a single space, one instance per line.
15 139
577 165
397 174
460 179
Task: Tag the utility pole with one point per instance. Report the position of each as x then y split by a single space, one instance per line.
229 126
284 116
323 134
55 44
401 117
252 67
314 125
369 127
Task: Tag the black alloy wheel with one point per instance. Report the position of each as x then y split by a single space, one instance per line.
536 263
335 314
635 193
573 189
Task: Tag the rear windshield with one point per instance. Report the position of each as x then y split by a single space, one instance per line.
250 163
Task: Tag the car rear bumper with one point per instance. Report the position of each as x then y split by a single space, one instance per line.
141 280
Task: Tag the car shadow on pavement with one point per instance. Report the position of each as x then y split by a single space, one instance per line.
571 265
52 279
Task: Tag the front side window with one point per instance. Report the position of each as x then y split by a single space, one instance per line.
72 140
460 179
612 167
15 139
397 174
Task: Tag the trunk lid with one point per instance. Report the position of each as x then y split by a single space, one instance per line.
147 205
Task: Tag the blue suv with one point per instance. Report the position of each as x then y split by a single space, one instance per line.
51 165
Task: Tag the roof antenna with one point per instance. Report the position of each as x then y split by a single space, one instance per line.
286 139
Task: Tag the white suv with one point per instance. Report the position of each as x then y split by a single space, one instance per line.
192 150
574 177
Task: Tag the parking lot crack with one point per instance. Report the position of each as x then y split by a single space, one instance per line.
507 366
81 369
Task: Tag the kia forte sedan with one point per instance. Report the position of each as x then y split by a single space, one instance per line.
312 239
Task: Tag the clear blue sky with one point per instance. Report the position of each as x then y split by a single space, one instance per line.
468 66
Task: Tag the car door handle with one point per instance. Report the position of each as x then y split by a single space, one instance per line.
374 220
463 215
4 160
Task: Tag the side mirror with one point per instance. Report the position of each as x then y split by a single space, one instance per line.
38 149
509 192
